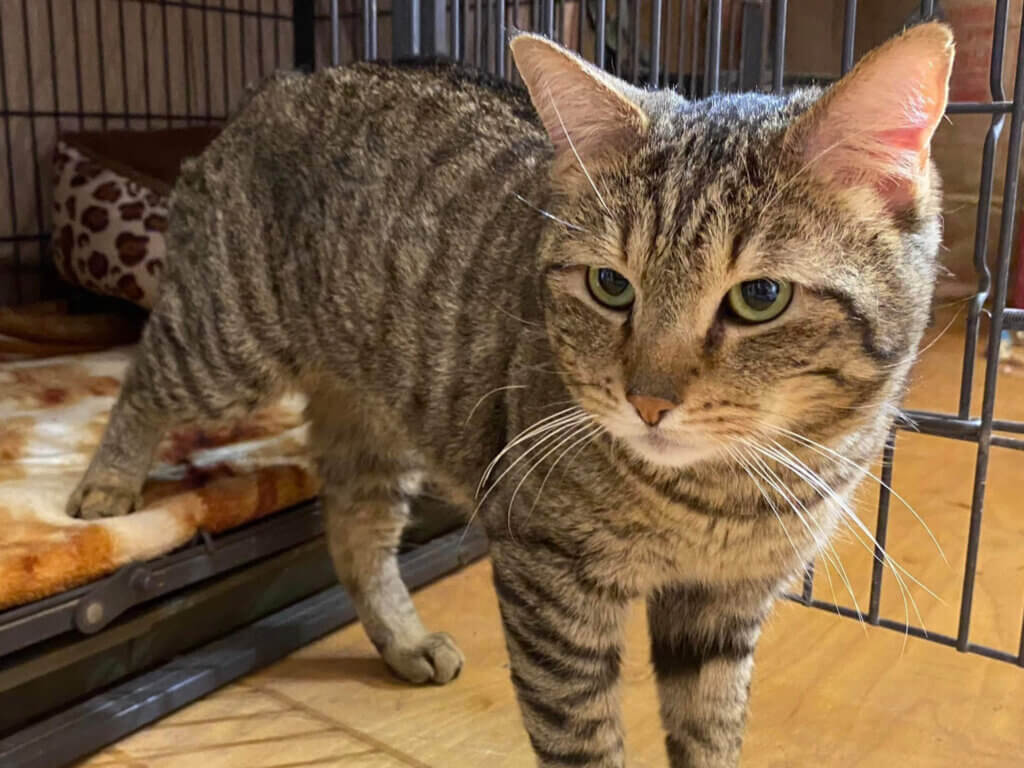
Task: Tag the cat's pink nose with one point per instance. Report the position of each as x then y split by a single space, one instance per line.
651 409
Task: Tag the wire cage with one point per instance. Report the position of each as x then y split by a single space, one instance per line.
73 64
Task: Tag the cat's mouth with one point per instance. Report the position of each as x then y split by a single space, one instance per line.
658 440
661 447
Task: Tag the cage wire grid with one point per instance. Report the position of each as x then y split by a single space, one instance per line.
190 61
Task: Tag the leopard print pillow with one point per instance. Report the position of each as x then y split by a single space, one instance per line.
108 230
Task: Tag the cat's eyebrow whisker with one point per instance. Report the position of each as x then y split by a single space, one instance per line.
829 453
572 146
953 302
549 215
806 167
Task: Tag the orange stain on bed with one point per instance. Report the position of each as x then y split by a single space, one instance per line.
13 439
49 386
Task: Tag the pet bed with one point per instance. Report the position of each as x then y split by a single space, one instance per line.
205 478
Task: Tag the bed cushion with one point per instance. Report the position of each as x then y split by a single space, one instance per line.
111 190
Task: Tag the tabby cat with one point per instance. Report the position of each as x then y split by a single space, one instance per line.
651 343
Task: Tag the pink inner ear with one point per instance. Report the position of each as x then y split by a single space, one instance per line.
874 130
890 161
909 139
854 148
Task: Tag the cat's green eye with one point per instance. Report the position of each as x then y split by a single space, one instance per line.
761 300
609 288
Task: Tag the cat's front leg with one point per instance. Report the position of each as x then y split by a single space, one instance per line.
702 649
564 638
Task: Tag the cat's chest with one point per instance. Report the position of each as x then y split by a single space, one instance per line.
647 542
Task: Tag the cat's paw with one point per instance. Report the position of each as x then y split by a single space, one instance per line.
93 502
434 659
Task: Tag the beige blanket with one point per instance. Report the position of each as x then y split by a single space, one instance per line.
211 477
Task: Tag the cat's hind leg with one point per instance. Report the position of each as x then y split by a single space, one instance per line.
187 368
368 478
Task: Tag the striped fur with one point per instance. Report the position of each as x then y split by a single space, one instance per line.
394 243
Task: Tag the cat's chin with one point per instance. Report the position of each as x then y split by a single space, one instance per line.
658 448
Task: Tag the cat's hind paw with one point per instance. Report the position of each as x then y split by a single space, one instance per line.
94 502
434 659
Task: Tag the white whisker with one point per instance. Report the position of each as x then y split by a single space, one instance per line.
545 435
806 167
562 441
737 457
526 434
494 391
776 482
829 453
585 440
915 356
849 516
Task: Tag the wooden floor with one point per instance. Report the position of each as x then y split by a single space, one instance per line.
828 692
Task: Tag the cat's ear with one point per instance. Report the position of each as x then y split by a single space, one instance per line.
585 111
873 128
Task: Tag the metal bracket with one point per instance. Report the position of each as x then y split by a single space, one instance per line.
208 542
114 596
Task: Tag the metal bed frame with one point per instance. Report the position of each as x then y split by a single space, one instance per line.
473 31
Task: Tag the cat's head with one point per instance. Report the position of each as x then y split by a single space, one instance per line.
742 264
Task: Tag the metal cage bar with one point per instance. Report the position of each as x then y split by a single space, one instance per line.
992 356
984 209
849 33
881 530
714 47
779 46
335 34
655 53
